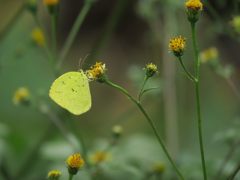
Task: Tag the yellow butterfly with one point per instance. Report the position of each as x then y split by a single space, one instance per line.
71 92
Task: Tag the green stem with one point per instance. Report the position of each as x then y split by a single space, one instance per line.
70 177
142 88
150 121
54 36
73 33
227 158
234 173
108 29
28 164
189 75
197 75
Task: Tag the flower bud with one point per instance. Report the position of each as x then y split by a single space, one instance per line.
117 131
38 37
74 163
177 45
54 175
151 70
21 96
193 9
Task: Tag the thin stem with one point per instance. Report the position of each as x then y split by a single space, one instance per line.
229 155
234 87
197 75
150 121
58 123
108 29
234 173
142 88
54 35
236 8
70 177
73 33
33 154
4 171
189 75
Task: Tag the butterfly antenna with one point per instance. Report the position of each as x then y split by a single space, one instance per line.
82 61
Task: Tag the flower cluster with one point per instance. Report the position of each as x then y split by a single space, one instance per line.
74 163
177 45
54 175
97 72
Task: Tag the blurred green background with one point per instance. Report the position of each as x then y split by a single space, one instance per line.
125 35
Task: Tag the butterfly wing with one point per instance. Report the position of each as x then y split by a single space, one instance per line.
71 92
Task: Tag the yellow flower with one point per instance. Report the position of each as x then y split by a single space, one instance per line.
74 163
194 5
38 37
21 95
54 174
209 54
177 45
151 69
51 2
235 23
96 72
159 168
99 157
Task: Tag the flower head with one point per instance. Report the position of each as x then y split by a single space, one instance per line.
74 163
21 96
96 72
193 9
50 2
194 5
99 157
177 45
151 69
54 174
38 37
